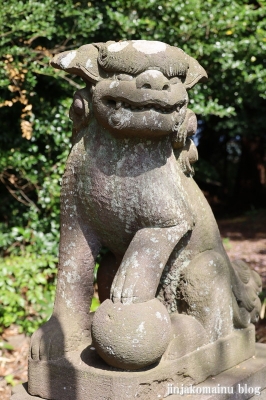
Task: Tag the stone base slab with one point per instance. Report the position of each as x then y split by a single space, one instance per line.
246 380
86 377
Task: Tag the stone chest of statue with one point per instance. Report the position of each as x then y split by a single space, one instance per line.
174 309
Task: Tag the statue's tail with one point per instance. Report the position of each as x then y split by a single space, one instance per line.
246 285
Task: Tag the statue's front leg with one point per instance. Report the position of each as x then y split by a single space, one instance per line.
125 330
139 274
69 325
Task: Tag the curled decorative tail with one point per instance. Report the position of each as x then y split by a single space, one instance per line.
246 285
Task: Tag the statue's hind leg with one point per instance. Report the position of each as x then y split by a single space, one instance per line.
205 293
209 299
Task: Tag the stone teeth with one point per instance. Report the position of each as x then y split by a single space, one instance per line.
154 107
118 105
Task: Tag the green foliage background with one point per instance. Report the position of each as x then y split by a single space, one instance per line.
228 37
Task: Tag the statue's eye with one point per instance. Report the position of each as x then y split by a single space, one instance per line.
103 54
175 80
124 77
78 105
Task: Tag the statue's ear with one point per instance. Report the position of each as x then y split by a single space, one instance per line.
82 62
195 74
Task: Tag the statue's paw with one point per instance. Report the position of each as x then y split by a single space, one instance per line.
131 288
47 343
188 336
118 293
53 340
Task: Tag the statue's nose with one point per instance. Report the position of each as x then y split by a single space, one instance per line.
152 79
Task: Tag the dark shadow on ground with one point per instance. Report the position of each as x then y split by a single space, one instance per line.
251 225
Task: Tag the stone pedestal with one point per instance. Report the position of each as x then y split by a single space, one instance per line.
246 380
86 377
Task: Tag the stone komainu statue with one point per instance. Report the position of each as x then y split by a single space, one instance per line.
128 186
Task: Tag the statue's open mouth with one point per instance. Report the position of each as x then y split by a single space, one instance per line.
135 107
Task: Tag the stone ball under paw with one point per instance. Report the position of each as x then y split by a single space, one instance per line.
131 336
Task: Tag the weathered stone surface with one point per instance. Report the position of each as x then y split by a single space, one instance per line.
246 380
246 376
184 327
128 186
129 331
88 377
